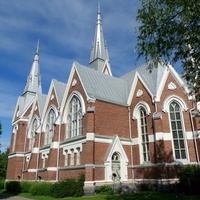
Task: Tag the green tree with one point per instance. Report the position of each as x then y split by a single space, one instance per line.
170 30
3 163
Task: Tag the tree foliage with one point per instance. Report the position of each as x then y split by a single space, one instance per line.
3 163
170 30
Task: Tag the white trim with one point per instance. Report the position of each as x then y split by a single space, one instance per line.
136 109
55 145
80 97
16 155
31 170
133 87
51 168
90 136
169 99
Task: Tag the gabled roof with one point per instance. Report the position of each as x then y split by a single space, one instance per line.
100 86
41 101
152 79
59 89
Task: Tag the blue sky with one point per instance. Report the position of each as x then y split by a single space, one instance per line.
65 29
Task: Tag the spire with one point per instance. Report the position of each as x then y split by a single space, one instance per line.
99 54
33 83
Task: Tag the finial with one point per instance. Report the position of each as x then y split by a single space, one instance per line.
37 48
99 7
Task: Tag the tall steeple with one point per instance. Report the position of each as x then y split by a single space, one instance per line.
99 58
33 83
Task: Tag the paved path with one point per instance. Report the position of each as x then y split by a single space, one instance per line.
11 197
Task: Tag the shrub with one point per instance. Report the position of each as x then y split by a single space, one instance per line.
41 189
105 190
69 187
189 179
13 186
26 186
2 182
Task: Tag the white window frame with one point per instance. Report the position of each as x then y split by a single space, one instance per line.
136 115
49 131
34 127
74 117
183 108
183 133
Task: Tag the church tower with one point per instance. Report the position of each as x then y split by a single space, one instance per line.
33 84
99 58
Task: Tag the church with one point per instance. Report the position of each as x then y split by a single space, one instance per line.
137 128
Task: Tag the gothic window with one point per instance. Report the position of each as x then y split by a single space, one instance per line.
74 119
177 131
50 126
144 135
32 135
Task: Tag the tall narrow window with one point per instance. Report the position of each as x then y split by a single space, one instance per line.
177 131
74 123
66 157
78 156
50 127
72 157
144 135
32 136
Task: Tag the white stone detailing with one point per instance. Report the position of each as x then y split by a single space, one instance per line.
139 93
74 82
52 97
75 146
171 86
16 155
55 145
35 150
36 108
51 168
90 137
189 136
135 141
198 106
32 170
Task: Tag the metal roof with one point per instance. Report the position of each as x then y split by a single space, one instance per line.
101 86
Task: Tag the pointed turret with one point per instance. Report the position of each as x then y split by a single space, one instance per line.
99 58
33 83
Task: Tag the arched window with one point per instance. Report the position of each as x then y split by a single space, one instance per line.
32 135
144 135
177 130
74 119
50 126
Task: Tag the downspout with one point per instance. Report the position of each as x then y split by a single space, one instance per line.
37 164
194 135
131 145
154 129
58 152
25 139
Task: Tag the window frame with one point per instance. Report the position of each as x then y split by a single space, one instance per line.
49 126
183 132
74 124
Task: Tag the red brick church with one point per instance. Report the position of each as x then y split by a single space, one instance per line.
135 128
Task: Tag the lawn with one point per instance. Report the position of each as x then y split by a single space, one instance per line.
136 196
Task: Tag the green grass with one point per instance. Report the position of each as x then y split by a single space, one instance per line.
137 196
